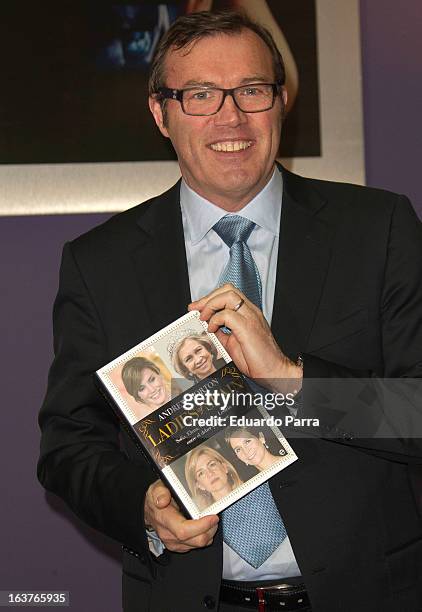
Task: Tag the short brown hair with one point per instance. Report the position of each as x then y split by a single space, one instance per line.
132 375
195 26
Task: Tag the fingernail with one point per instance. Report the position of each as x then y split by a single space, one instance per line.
157 501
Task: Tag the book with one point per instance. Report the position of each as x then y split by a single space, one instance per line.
195 417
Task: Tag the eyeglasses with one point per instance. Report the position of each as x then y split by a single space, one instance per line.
205 101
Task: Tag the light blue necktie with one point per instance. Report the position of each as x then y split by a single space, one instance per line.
252 526
241 269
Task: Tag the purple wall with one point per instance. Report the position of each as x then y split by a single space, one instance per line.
42 545
392 95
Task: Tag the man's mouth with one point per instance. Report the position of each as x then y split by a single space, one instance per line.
231 146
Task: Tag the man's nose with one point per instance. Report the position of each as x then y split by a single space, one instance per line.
229 113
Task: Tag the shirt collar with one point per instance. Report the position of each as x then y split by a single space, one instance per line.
201 214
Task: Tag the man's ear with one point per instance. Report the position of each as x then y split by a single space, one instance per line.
284 96
157 111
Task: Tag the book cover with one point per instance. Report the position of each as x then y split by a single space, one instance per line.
195 417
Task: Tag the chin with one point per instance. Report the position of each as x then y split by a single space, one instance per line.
240 182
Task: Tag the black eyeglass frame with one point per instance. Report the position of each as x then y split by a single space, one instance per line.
167 93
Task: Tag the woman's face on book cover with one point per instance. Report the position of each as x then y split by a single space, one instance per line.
152 389
249 449
212 476
196 358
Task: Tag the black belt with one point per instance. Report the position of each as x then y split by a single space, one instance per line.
268 595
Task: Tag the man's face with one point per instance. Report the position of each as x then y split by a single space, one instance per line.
229 179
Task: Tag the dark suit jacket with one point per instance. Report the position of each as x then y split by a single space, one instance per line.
349 293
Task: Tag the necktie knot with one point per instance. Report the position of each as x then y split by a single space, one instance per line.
241 270
234 228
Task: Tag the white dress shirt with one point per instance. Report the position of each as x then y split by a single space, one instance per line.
207 256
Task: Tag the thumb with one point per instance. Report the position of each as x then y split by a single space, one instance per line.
162 497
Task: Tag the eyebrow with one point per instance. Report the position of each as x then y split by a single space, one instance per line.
205 466
254 78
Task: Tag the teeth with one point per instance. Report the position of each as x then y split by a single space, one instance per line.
231 146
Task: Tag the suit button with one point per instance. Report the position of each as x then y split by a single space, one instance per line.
286 483
209 602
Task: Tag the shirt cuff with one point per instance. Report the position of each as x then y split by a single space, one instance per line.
156 546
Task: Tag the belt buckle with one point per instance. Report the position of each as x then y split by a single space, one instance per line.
260 591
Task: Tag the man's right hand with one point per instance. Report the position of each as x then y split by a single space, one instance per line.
177 533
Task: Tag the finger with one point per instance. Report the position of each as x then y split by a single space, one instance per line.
168 523
176 531
173 520
175 504
176 547
228 300
202 539
189 530
181 547
234 349
160 494
216 291
199 304
171 542
222 337
228 318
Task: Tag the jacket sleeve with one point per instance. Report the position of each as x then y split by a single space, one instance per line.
380 411
80 457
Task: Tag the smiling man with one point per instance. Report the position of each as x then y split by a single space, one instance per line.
225 155
337 272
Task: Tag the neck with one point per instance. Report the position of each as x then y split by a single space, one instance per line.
229 201
222 493
267 461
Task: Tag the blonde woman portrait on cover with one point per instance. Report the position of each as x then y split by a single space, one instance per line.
210 476
195 357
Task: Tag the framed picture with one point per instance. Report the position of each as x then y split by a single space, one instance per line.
76 129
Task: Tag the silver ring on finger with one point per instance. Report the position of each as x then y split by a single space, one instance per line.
239 305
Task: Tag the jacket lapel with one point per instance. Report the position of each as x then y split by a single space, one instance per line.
303 258
160 259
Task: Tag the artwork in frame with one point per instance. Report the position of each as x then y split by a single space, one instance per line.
77 132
